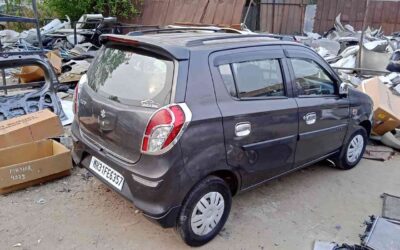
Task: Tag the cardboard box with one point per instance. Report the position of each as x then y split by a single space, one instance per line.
33 163
386 105
32 73
29 128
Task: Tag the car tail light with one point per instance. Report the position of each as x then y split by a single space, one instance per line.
77 90
165 127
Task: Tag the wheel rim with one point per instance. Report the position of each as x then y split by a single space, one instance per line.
355 148
207 213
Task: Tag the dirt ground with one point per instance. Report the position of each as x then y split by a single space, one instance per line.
317 203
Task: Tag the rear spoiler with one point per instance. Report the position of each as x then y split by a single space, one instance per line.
170 51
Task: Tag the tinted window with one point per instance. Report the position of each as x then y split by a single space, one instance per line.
261 78
311 79
227 77
131 77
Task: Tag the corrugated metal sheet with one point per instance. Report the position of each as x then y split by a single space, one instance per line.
380 13
282 16
163 12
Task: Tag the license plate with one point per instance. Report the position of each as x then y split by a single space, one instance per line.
107 173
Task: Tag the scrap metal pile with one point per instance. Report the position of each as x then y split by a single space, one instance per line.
70 50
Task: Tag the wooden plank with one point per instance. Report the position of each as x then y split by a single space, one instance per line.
228 14
238 11
324 22
385 21
146 16
296 23
187 11
208 16
292 20
332 11
263 18
162 9
397 25
169 18
202 4
392 17
219 12
346 14
277 18
318 16
360 13
377 10
285 25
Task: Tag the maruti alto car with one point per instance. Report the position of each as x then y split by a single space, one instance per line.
179 122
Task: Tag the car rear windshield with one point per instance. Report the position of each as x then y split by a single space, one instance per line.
131 77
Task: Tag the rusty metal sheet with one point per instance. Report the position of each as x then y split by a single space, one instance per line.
221 12
282 16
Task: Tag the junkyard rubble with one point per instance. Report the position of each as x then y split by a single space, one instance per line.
62 44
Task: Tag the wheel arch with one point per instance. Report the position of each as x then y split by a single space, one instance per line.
231 178
367 125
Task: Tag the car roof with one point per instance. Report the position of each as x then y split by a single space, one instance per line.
179 44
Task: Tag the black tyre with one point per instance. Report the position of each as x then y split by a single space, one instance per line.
353 150
204 211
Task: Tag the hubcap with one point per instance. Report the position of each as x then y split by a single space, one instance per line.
355 148
207 213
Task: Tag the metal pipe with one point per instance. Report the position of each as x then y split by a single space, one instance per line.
362 69
39 36
3 72
363 33
248 10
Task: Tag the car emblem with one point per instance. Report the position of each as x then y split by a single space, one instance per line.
103 113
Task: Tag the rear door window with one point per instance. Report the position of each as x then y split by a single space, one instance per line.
253 79
132 77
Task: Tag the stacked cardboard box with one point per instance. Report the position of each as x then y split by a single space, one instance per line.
27 156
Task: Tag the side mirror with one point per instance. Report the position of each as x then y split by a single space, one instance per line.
343 89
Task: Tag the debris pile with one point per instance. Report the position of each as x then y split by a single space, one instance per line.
365 53
69 50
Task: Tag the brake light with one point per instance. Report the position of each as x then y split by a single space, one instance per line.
77 90
165 127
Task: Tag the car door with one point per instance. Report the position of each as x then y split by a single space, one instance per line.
259 112
323 114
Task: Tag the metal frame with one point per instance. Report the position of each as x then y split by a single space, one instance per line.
243 36
99 22
171 30
18 19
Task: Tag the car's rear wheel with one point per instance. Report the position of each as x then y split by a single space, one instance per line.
204 211
353 150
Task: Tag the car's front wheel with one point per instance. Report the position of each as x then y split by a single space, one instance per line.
353 150
204 211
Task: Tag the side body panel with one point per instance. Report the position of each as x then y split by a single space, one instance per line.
203 148
270 147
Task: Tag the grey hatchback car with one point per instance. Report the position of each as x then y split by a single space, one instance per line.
179 122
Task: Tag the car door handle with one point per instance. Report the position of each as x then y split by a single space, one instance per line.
242 129
310 118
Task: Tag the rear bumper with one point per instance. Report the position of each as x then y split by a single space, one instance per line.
154 184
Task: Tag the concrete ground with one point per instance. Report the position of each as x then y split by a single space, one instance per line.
317 203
